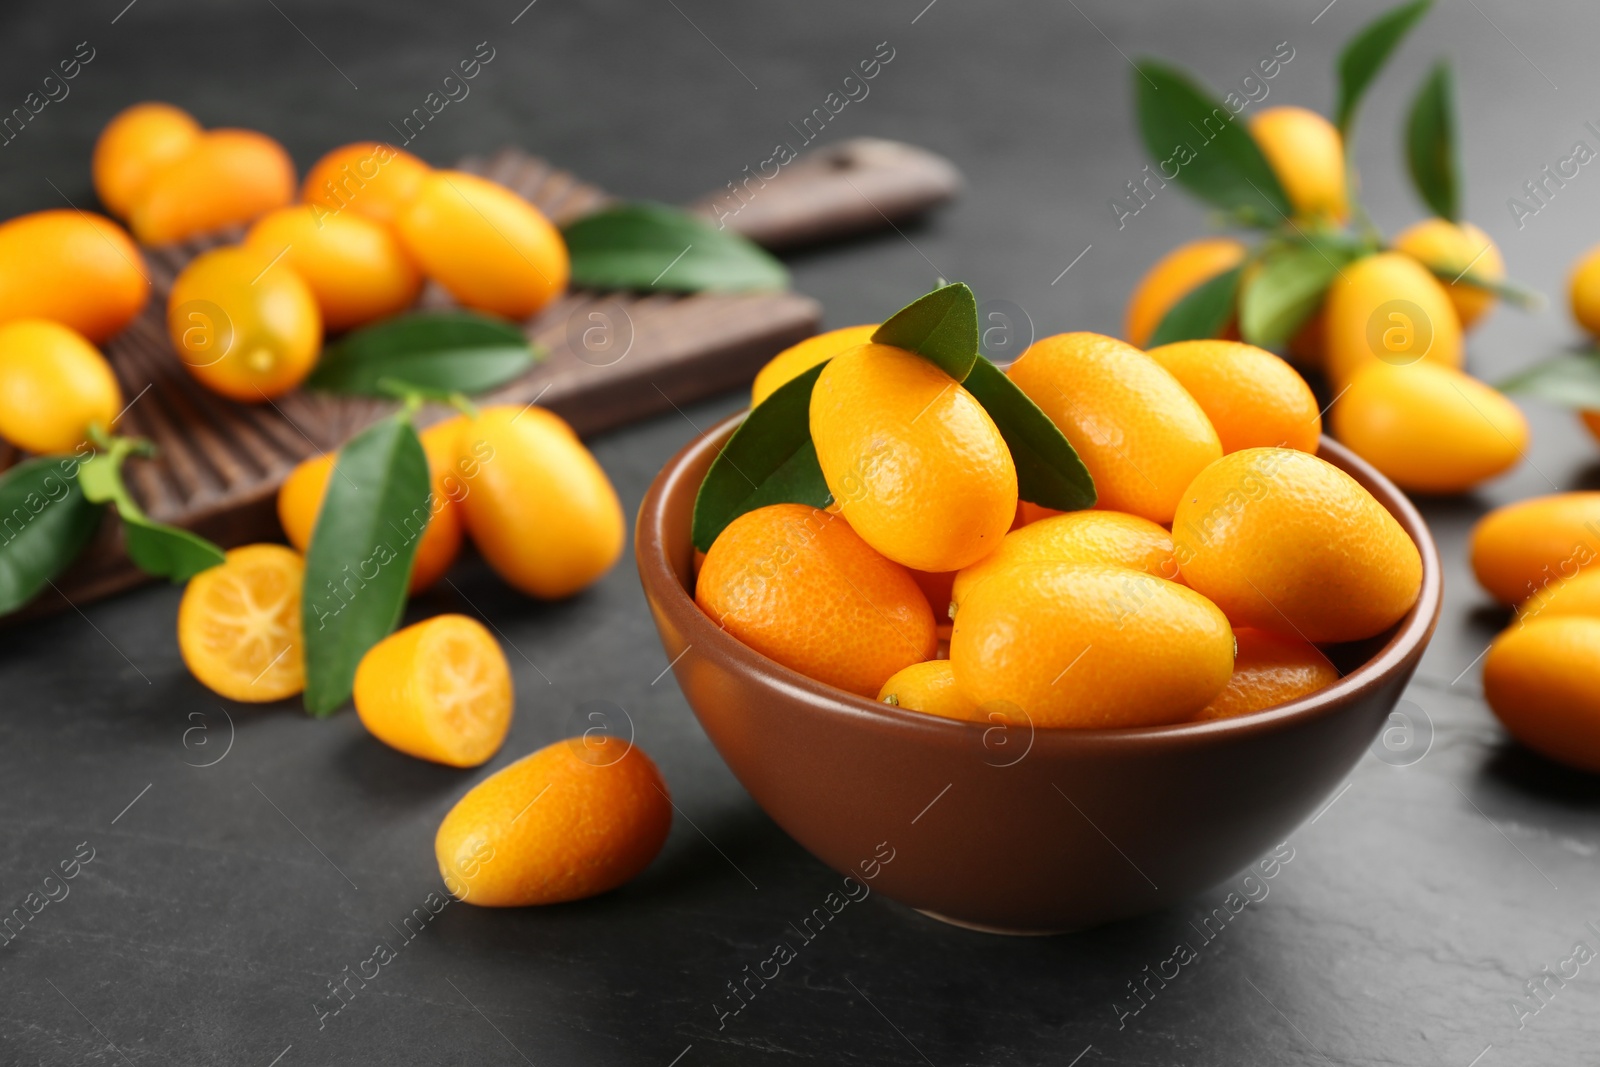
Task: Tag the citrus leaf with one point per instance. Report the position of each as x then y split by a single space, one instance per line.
1286 290
359 564
1570 381
651 246
45 522
1049 472
1512 292
1431 145
167 551
941 327
1201 314
1215 157
452 351
1366 53
770 459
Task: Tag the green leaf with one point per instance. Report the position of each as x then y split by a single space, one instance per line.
652 246
770 459
1286 290
1201 314
1512 292
1366 53
45 522
1049 472
1215 157
1431 145
167 551
941 327
359 563
450 351
1569 381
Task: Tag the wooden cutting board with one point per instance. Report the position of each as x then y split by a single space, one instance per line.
613 357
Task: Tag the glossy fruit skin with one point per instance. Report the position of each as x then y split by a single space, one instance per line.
396 694
491 249
1071 644
244 326
1108 537
1539 680
800 587
1140 433
370 178
574 819
1269 669
300 499
1173 277
1307 154
797 359
54 385
71 267
356 268
1577 595
1252 398
1455 248
540 509
1388 306
1283 541
1522 548
139 142
257 656
915 463
226 178
1583 289
929 687
1429 428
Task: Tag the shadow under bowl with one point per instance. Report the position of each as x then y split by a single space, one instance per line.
1008 828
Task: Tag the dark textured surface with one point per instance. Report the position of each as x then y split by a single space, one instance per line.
208 924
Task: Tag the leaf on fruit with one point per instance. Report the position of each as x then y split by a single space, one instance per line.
45 522
440 351
1214 155
645 246
770 459
1287 289
1431 153
159 550
358 567
1203 313
1366 53
1570 381
1049 471
941 327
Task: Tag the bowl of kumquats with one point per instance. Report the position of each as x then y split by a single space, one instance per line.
1068 641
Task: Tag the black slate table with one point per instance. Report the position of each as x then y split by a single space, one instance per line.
232 862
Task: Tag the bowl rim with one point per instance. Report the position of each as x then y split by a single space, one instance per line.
1404 645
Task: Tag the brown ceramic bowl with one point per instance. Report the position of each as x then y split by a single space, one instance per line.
1011 829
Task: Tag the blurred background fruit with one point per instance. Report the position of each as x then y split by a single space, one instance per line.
491 249
1173 277
356 268
916 464
1307 154
373 179
1388 306
136 145
227 177
1455 249
244 326
78 269
1539 679
1521 548
539 508
1430 428
54 386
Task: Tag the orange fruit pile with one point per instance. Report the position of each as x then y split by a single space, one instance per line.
1221 553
